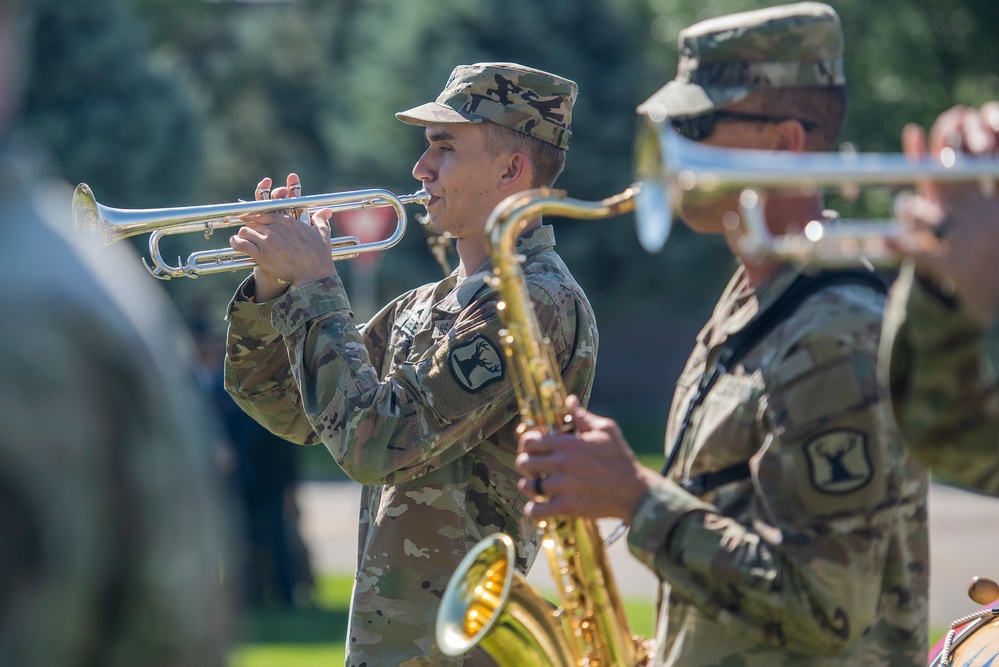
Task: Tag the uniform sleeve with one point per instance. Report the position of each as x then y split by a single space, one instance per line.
423 414
257 371
795 559
943 387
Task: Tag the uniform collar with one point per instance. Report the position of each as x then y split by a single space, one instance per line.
772 289
740 302
474 285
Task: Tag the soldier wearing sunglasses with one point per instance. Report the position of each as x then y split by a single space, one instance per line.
699 128
786 527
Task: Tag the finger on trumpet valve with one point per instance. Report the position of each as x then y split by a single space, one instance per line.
295 190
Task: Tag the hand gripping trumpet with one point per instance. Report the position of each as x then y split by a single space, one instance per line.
487 601
105 225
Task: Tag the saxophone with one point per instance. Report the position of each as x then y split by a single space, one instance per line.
487 602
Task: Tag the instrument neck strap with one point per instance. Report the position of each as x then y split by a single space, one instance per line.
741 342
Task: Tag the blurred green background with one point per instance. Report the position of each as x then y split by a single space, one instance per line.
181 102
159 103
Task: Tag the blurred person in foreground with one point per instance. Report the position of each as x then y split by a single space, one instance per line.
785 527
113 524
418 405
943 307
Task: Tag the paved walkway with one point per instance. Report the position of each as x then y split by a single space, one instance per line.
964 533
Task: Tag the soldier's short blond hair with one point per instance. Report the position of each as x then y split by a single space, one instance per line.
547 160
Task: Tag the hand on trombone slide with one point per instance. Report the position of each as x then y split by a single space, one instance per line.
956 224
285 250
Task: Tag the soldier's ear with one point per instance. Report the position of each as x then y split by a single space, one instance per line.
517 172
790 136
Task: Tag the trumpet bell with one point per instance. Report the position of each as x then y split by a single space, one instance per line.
653 205
87 216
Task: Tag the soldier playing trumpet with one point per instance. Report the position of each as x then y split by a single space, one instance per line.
418 404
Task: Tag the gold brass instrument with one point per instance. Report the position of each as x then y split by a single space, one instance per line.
487 602
672 169
105 225
439 243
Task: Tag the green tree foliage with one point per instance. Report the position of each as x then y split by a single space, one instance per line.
109 117
909 61
905 61
312 87
263 77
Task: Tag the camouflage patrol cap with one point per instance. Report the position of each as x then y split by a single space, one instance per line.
521 98
724 59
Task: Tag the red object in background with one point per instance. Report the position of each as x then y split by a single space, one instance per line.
980 649
368 225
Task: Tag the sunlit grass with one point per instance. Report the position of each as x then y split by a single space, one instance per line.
299 637
314 637
287 655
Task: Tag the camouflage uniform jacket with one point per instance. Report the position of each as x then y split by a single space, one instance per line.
943 386
112 521
820 556
417 406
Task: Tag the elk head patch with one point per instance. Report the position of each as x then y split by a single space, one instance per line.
838 461
476 364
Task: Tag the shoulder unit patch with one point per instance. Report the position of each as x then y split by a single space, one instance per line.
476 364
838 461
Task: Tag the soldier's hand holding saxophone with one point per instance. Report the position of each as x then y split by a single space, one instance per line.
591 472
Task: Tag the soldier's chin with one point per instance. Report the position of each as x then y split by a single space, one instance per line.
427 220
701 221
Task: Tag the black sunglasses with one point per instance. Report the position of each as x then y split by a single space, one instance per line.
698 128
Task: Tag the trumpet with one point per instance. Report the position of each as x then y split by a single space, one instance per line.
673 169
104 225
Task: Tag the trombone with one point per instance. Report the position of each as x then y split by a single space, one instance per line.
671 169
104 225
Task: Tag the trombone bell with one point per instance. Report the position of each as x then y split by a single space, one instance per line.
104 225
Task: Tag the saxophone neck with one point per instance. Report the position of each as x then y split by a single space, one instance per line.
514 216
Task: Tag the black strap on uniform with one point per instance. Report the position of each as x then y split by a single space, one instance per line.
741 342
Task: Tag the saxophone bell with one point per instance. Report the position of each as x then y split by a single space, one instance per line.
490 604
